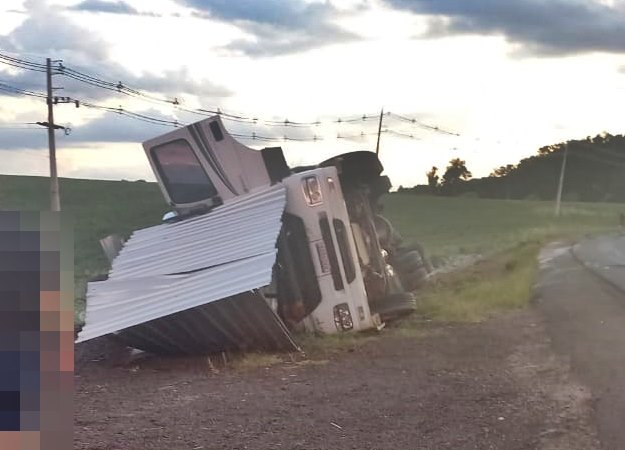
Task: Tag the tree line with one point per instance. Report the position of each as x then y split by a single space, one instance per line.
595 171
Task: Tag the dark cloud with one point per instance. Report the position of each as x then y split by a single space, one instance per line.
19 139
280 13
118 7
277 26
554 27
85 51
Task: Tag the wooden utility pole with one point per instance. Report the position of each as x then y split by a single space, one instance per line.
561 183
55 201
377 146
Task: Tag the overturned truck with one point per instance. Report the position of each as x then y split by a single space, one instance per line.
254 250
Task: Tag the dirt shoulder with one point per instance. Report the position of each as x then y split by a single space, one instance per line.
494 385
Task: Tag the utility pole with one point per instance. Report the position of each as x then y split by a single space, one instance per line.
377 146
561 183
55 201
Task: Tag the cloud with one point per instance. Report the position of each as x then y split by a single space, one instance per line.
108 128
109 7
118 7
277 26
19 139
554 27
112 127
85 51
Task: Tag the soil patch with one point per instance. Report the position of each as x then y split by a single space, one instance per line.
494 385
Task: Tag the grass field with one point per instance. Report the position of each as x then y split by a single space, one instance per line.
445 226
452 226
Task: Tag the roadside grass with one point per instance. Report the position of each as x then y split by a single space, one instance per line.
252 361
323 345
498 283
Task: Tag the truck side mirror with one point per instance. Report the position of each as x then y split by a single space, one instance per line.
171 216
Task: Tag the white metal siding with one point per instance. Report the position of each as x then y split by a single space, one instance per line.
228 251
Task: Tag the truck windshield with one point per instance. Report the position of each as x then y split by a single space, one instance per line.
181 171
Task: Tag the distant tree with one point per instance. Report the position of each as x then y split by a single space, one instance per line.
549 149
455 175
433 178
503 171
456 172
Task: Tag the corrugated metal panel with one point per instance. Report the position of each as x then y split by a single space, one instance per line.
242 228
208 260
236 324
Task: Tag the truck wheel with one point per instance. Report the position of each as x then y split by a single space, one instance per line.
394 306
402 250
407 262
414 280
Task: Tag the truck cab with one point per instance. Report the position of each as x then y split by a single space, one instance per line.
340 264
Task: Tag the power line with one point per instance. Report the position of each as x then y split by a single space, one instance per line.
15 90
362 134
138 116
176 123
257 137
122 88
22 63
404 134
424 125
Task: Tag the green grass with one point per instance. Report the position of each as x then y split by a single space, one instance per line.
501 282
451 226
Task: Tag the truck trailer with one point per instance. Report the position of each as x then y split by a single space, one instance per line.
254 251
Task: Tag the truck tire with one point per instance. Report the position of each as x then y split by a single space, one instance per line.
404 249
394 306
407 261
413 281
411 269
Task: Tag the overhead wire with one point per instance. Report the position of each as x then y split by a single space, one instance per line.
16 90
424 125
22 63
119 87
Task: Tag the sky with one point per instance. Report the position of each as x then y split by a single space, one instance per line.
487 81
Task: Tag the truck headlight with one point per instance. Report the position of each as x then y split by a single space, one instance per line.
312 191
342 317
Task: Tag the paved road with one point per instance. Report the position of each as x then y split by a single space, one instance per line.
581 292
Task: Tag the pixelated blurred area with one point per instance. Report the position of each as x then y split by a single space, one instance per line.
36 331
